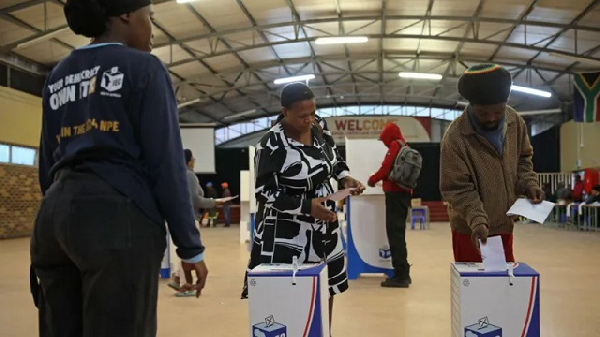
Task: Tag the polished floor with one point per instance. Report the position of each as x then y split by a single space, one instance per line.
569 264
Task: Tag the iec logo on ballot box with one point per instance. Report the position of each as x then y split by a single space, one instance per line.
269 328
495 303
288 300
483 329
385 252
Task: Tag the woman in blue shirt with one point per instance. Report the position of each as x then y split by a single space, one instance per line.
112 172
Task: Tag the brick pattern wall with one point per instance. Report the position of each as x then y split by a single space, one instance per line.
19 200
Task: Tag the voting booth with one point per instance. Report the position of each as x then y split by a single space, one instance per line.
368 250
289 300
166 265
247 201
495 304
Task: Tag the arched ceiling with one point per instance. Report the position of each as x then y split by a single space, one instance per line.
225 54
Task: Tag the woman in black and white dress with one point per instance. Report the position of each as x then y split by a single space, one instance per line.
295 161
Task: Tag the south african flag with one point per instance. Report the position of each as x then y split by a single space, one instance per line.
586 98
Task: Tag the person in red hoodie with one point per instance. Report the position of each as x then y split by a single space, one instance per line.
578 189
397 201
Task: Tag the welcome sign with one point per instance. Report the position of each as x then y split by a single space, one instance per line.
414 129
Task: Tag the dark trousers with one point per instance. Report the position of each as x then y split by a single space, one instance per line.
396 210
97 257
226 212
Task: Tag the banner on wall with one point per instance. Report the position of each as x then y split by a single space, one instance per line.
414 129
586 97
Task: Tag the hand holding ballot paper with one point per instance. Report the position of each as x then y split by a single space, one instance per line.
492 254
319 211
226 199
536 212
341 194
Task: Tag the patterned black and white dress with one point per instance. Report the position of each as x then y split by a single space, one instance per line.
288 175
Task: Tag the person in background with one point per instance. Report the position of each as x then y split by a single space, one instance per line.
227 204
397 202
485 164
594 195
593 199
109 182
578 189
295 161
563 194
548 192
212 211
198 201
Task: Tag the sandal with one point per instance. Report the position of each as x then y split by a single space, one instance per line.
174 285
188 293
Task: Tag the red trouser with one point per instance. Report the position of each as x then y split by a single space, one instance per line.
464 251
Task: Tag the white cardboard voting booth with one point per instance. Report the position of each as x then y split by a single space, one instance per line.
368 248
288 303
247 201
494 304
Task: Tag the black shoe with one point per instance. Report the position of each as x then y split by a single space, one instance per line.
399 278
395 283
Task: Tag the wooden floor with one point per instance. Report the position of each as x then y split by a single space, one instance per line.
569 264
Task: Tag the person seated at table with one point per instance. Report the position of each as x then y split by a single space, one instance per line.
594 195
563 194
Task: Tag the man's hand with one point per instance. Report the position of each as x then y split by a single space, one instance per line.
320 212
201 275
371 182
219 202
350 182
535 194
479 233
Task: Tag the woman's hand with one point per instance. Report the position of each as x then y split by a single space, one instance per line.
320 212
350 182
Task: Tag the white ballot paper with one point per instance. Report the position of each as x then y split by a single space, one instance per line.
492 254
341 194
525 208
227 199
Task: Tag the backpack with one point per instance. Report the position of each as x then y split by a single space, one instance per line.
407 167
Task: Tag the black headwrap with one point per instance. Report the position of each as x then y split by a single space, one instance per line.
119 7
88 17
485 84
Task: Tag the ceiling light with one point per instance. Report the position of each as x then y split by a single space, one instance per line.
42 38
532 91
185 1
422 76
241 114
294 79
184 104
540 112
583 60
341 39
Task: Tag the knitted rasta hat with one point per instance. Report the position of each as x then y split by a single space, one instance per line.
485 84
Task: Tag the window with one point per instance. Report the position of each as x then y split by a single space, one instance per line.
23 155
18 155
243 127
4 153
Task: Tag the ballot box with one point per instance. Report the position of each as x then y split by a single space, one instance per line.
289 300
495 304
